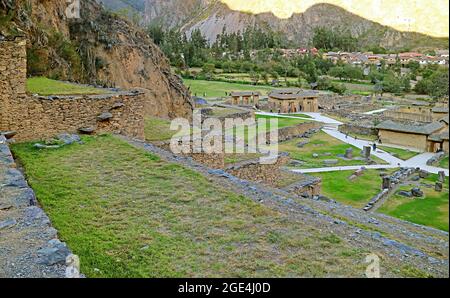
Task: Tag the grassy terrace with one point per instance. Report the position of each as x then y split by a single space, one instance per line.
432 210
126 213
326 147
444 163
403 154
218 89
356 193
44 86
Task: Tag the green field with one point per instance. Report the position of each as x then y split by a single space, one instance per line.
444 163
403 154
44 86
321 143
356 193
218 89
126 213
432 210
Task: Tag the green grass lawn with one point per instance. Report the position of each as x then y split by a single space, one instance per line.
300 115
403 154
432 210
282 121
444 163
356 193
158 129
126 213
218 89
321 144
44 86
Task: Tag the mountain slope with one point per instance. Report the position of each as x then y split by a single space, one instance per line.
98 48
211 16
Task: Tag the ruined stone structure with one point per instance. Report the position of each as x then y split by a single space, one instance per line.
253 170
37 117
418 113
293 100
245 98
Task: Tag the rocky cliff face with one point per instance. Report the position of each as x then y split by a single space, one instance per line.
98 48
212 16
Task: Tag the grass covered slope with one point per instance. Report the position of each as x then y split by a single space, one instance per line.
218 89
326 147
432 210
356 193
126 213
44 86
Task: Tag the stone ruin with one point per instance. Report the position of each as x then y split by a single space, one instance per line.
27 117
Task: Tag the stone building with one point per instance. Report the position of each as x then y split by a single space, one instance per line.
293 101
431 137
245 98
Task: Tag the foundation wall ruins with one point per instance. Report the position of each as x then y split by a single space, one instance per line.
37 117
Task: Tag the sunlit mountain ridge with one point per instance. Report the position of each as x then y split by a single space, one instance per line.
423 16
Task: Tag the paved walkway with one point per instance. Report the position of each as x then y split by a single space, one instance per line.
375 112
331 128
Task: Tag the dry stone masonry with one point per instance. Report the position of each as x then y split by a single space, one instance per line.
30 247
37 117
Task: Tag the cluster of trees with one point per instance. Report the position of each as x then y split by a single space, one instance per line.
434 84
332 40
257 53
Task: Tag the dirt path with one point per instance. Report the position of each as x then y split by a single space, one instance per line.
28 243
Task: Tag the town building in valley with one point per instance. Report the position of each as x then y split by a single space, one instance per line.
293 100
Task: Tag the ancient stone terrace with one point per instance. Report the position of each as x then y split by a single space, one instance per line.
38 117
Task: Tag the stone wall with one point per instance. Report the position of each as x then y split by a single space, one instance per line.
37 117
30 245
419 117
349 128
290 132
404 139
12 75
253 170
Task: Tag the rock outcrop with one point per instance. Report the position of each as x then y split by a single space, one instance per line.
211 16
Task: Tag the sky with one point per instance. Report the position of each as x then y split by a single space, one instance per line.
424 16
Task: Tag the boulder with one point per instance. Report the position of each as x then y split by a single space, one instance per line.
296 163
330 161
7 223
69 139
8 134
117 105
104 116
349 153
423 174
415 178
56 253
302 144
438 186
416 192
87 130
42 146
403 193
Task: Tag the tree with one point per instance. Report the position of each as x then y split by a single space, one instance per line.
208 69
337 72
255 77
391 84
